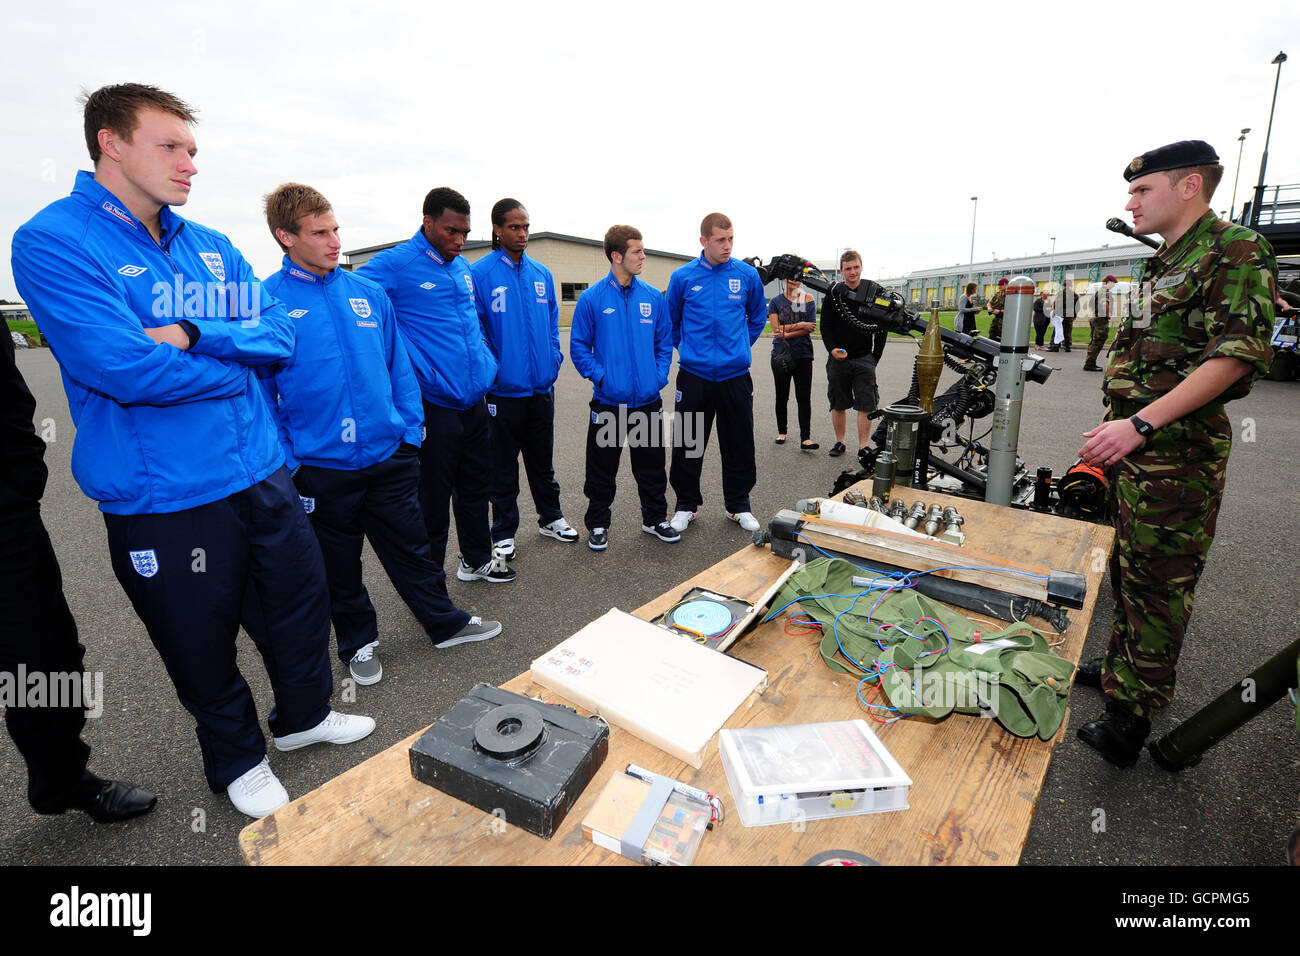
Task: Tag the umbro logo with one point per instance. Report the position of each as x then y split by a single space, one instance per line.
298 313
609 311
427 285
696 288
132 270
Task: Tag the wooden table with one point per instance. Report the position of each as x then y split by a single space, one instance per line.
973 797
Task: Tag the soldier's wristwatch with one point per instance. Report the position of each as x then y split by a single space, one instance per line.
1143 428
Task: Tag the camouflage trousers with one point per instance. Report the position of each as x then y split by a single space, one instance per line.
1097 342
1165 501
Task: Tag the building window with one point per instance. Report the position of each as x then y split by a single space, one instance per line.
569 291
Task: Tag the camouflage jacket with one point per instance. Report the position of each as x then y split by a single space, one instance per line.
1210 295
997 301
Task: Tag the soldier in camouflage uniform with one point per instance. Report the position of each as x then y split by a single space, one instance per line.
1198 338
996 306
1100 323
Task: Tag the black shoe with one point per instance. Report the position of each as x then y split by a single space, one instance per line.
108 801
837 449
1053 348
809 446
1090 367
1089 674
1118 734
598 540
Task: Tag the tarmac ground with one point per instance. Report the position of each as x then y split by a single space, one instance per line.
1237 807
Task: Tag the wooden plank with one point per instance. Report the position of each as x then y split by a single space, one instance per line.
972 801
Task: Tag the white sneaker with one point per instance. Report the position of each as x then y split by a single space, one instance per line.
681 519
258 792
336 728
559 530
745 519
505 548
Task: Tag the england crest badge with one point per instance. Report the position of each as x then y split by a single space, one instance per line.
733 285
215 265
308 504
469 283
492 409
541 289
145 563
361 307
645 309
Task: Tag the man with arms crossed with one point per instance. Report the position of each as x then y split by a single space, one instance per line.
157 324
718 310
1199 339
621 342
350 420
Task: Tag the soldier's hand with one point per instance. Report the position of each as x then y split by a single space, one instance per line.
1109 442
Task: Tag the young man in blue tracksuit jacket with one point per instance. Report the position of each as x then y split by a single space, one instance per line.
515 297
718 311
157 324
351 422
621 341
431 288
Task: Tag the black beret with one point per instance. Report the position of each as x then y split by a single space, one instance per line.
1188 152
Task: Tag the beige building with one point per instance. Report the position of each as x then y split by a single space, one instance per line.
576 263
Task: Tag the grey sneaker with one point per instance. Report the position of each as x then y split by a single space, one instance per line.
476 630
598 540
663 531
558 529
495 571
365 667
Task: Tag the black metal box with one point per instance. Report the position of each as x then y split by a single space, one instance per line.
500 751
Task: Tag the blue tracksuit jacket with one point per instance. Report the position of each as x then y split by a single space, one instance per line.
159 429
521 321
348 396
436 317
718 313
621 340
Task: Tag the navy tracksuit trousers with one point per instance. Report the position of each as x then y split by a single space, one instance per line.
699 400
195 576
643 435
524 425
455 463
380 503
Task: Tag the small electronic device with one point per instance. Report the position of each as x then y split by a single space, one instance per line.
706 617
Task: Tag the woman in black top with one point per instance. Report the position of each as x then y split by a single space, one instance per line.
793 316
966 310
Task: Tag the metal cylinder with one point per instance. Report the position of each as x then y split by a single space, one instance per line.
882 482
1183 746
1010 389
904 421
1043 488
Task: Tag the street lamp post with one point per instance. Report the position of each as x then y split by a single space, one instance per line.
1242 141
970 270
1263 162
1051 262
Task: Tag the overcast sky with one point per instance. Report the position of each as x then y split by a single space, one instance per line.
814 125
